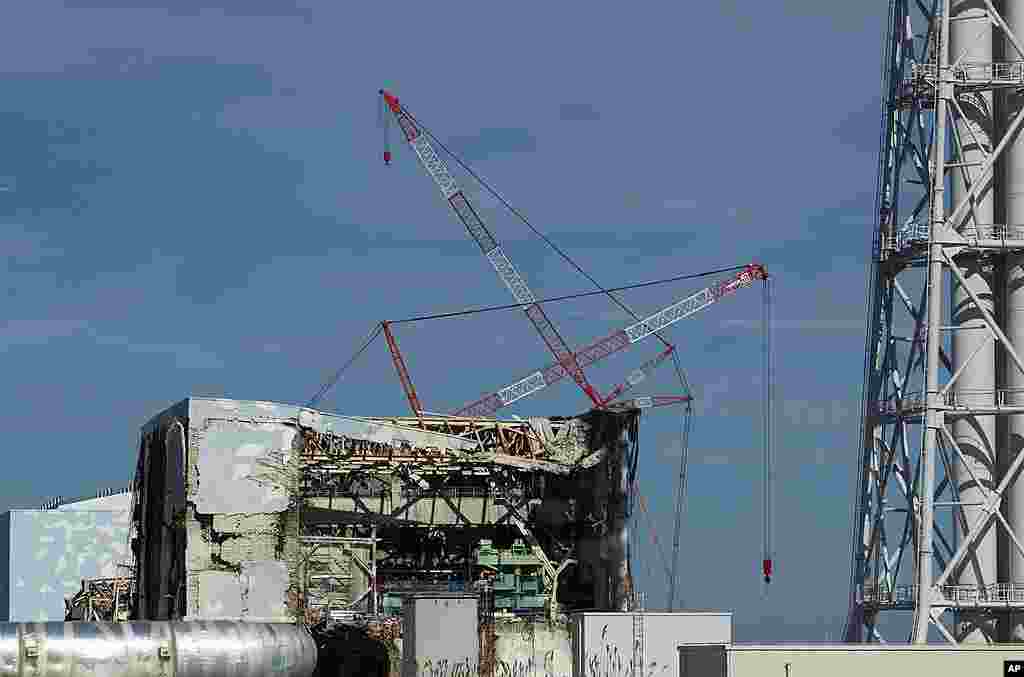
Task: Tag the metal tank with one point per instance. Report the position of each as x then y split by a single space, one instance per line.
972 347
156 649
1012 198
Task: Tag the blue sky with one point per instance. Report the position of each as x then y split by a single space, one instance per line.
193 202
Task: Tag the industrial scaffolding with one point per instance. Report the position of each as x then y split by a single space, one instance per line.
940 508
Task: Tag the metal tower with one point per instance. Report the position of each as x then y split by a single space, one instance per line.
939 505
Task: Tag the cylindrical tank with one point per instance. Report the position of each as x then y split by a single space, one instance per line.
156 649
970 338
1011 188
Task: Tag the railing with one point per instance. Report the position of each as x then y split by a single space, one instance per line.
453 492
916 233
1002 397
963 398
508 557
993 231
414 586
908 403
954 595
885 594
982 72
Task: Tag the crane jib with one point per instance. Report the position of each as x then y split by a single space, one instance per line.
521 389
458 201
471 220
435 166
670 315
510 276
568 363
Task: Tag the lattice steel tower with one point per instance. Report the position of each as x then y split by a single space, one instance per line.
940 508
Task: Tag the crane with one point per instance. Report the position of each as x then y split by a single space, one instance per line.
613 343
619 340
403 371
489 246
567 362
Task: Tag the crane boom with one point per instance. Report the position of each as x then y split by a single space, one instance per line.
403 371
649 401
623 338
492 251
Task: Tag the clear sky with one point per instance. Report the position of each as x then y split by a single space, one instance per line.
193 202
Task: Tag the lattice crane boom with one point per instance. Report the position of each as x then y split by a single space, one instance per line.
649 401
489 246
403 371
619 340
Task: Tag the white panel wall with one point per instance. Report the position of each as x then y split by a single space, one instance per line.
440 635
872 660
604 641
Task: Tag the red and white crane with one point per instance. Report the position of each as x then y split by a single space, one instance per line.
489 246
568 362
614 342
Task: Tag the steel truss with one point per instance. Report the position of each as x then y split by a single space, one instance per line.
923 489
361 484
102 599
560 441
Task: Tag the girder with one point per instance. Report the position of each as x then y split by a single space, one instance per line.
934 478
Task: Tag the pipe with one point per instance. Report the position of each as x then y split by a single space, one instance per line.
972 350
156 649
1011 190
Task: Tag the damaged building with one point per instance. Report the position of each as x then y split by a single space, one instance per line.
270 512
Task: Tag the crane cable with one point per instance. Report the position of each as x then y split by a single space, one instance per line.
567 297
326 387
680 507
769 394
522 217
378 328
649 523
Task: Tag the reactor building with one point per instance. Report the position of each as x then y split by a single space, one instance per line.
269 512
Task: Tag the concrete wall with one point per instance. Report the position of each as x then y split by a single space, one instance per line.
528 648
440 635
51 551
603 642
874 660
238 496
524 647
215 509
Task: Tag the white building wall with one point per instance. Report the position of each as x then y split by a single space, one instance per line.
873 660
603 641
440 635
50 553
112 503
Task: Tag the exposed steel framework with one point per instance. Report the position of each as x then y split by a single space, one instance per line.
940 506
